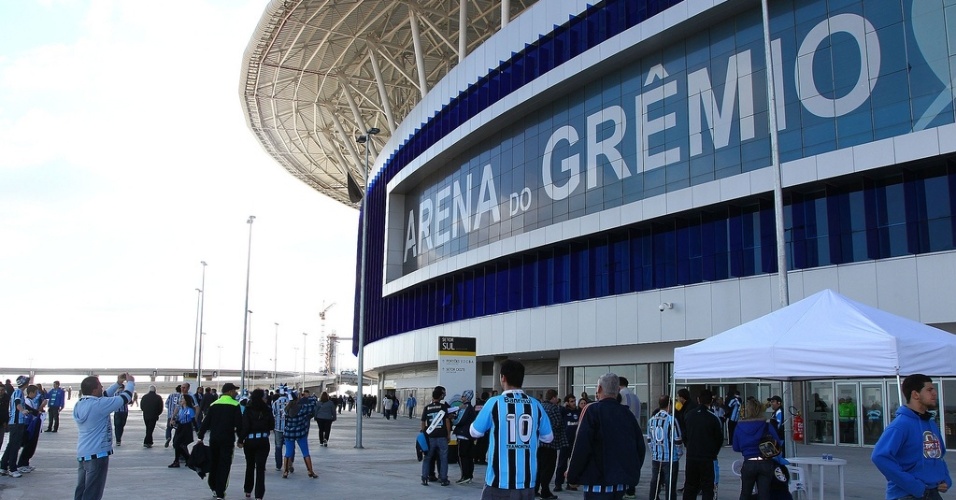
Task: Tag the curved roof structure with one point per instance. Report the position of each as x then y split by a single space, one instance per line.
319 73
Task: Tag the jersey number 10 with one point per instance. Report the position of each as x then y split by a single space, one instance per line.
519 428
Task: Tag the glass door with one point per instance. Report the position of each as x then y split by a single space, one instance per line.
848 412
873 414
820 408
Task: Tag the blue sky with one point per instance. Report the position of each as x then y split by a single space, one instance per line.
125 160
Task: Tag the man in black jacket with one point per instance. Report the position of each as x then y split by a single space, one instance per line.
609 448
152 406
703 438
223 423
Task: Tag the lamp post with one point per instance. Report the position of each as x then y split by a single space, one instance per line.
202 311
249 346
275 360
196 332
199 373
362 139
245 318
304 337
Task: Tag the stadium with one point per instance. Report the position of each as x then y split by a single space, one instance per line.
586 187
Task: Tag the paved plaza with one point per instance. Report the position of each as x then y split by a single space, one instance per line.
385 469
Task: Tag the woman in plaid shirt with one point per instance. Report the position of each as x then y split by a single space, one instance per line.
297 418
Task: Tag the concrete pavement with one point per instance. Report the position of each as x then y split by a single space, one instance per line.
385 468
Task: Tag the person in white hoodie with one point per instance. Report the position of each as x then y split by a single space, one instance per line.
95 442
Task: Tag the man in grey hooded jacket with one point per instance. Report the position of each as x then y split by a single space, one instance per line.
95 442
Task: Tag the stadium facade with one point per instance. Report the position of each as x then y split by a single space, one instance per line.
591 186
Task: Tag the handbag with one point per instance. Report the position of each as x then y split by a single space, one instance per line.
768 446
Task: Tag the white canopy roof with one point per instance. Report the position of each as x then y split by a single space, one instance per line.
825 335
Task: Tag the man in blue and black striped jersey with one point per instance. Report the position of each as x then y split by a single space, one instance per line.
665 451
517 423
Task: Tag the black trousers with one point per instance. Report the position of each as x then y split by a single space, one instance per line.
547 461
256 452
9 460
29 446
563 456
325 427
220 463
466 459
119 423
150 427
184 436
699 478
54 422
664 480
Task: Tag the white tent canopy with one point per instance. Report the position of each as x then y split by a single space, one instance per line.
825 335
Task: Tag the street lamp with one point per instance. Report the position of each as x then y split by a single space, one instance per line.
362 139
304 337
199 373
249 345
202 311
245 318
275 360
196 331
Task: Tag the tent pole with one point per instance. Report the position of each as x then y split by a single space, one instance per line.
899 387
673 432
790 446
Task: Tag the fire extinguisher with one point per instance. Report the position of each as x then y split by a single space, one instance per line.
798 427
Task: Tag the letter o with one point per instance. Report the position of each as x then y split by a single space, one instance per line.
869 44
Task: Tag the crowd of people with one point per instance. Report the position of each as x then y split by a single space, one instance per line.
532 447
225 418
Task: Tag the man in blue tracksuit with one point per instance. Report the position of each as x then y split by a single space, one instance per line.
95 441
910 451
56 398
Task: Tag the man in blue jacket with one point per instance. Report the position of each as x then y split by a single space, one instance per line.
56 398
609 448
910 451
95 441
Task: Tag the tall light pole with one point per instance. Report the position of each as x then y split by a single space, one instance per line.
245 317
202 311
778 216
362 139
304 337
275 360
249 345
196 333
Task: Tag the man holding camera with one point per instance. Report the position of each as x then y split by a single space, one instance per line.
95 441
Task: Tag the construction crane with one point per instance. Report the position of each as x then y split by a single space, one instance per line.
328 343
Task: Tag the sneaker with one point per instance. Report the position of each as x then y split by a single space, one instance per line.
445 483
26 469
4 472
433 479
167 444
424 481
174 465
15 473
464 480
